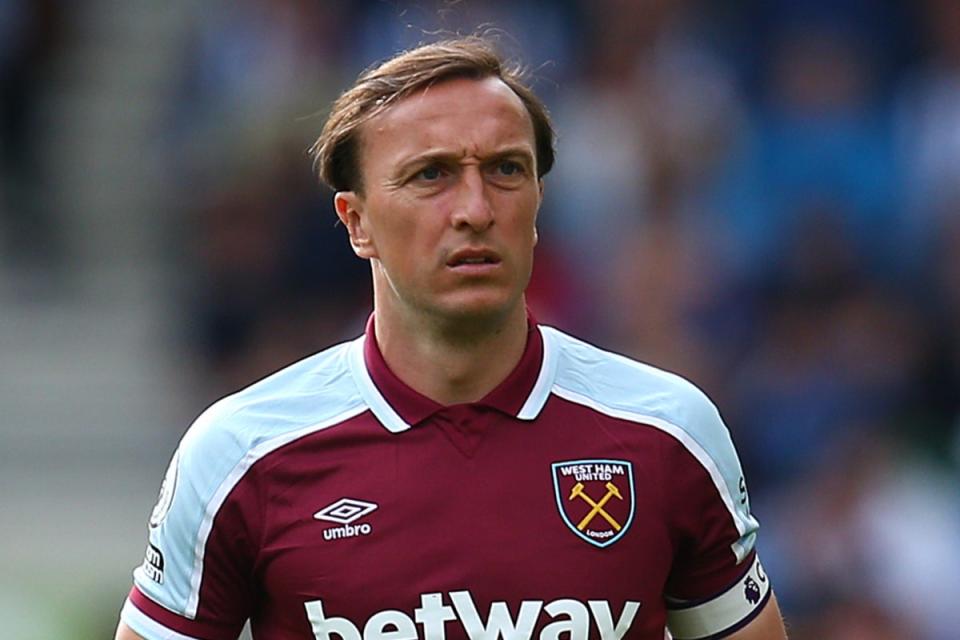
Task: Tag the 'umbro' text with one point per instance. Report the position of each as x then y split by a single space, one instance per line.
347 531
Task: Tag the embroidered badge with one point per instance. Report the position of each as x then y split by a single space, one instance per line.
751 591
167 489
595 498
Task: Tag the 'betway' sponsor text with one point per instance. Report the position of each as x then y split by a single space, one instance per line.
567 619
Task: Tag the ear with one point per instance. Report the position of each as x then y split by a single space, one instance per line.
350 209
536 234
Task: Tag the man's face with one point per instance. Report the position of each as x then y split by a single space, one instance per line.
450 200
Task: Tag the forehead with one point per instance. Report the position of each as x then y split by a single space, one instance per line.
463 115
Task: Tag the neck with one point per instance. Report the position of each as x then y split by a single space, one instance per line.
451 361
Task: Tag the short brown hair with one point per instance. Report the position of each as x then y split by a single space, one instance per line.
335 152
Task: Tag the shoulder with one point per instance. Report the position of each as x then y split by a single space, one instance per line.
219 449
620 386
625 389
315 393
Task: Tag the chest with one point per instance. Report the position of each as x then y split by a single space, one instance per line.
466 512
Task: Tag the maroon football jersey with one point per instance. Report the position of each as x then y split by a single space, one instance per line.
587 496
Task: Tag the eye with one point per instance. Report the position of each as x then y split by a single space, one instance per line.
509 168
429 174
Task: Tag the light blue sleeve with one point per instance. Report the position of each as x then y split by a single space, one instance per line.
217 451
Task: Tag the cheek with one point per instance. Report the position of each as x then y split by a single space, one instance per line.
392 220
524 218
408 232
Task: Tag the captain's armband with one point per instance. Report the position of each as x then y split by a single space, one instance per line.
724 613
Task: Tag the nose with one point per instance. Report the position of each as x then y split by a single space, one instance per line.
472 208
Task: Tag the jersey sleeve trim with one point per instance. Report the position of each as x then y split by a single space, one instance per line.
166 621
746 525
146 626
723 614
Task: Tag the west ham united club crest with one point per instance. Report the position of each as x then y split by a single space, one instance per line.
595 498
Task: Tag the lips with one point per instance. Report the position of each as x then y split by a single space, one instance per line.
473 258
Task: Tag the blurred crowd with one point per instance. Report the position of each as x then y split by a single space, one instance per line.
761 196
32 36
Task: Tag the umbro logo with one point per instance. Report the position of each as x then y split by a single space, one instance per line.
345 511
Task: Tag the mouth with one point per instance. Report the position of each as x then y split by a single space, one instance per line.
473 259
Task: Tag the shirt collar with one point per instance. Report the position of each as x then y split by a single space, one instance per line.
522 394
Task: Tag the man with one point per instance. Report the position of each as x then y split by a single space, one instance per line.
458 471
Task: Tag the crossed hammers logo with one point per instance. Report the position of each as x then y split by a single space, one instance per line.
597 510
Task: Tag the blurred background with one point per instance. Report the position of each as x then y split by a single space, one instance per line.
762 196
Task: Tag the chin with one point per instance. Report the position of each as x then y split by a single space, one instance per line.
479 307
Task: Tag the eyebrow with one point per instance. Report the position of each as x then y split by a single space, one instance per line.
451 157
